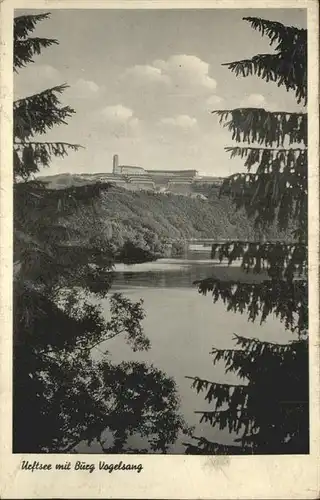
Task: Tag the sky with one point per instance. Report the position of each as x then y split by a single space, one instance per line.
144 82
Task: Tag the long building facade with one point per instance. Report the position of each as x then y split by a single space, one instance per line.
180 181
135 178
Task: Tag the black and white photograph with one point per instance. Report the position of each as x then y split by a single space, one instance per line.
160 232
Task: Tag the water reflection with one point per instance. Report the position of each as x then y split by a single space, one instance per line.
178 273
183 326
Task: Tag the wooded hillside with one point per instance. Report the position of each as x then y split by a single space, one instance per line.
149 221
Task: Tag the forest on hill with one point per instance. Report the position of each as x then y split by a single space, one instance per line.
142 225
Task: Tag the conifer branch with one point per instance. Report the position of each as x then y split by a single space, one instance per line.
206 447
278 259
278 114
273 194
29 156
45 93
248 342
286 67
274 68
24 50
271 159
23 25
25 47
20 144
244 362
207 383
254 346
38 113
288 300
246 149
234 420
276 31
265 127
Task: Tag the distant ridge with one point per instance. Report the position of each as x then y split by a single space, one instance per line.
157 181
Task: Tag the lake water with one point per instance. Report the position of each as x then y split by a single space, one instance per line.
183 326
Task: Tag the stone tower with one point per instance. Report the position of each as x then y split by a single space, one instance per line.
115 169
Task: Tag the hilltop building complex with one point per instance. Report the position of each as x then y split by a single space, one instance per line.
179 181
135 178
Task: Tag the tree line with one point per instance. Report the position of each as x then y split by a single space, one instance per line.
139 225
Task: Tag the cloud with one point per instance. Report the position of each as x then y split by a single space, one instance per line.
48 76
147 74
116 114
48 72
187 70
253 101
180 72
119 120
184 122
214 100
258 101
36 78
85 89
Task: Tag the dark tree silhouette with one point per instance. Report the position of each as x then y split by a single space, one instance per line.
62 393
269 412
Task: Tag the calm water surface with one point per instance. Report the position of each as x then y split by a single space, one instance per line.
183 326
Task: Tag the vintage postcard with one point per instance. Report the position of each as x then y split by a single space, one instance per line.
160 249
